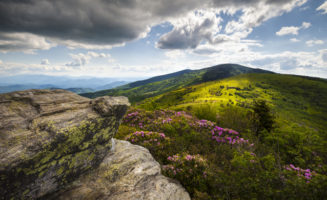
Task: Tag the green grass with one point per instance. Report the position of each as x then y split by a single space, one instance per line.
293 99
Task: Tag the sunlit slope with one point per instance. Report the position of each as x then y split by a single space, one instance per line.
295 99
140 90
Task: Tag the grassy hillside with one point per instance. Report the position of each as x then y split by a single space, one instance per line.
293 98
205 136
141 90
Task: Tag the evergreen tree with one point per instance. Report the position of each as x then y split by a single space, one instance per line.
262 118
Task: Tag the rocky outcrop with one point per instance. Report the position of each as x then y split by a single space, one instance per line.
48 138
127 172
55 144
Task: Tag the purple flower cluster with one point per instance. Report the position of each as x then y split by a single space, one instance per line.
147 138
186 165
223 135
202 124
305 173
166 121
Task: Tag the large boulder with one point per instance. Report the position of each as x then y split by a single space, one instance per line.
128 172
48 138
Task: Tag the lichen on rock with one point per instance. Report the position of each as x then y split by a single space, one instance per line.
49 138
55 144
127 172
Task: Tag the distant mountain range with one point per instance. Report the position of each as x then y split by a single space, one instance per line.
140 90
75 84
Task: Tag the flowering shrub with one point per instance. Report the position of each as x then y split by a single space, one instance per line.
306 174
189 168
212 162
148 138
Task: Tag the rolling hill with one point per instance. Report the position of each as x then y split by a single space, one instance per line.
141 90
293 98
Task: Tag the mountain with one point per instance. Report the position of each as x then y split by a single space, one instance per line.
80 90
296 99
141 90
65 81
75 84
111 85
19 87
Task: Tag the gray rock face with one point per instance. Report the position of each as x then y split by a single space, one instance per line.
50 137
55 144
127 172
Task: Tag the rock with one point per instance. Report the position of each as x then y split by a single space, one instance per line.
128 172
48 138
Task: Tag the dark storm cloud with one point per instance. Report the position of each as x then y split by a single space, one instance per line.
96 22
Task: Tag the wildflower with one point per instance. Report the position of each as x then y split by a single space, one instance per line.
189 157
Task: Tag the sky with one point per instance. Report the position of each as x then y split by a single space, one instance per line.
144 38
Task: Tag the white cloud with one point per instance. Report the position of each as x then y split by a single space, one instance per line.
112 60
175 54
204 26
294 40
254 16
45 62
83 59
189 31
1 62
26 42
311 43
323 8
306 25
323 54
288 30
292 30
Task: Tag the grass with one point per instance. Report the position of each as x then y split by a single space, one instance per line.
293 99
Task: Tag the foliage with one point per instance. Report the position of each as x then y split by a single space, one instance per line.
271 161
261 118
212 162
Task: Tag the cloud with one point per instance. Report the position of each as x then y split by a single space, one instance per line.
294 40
323 54
83 59
311 43
323 8
1 62
190 31
175 54
45 62
306 25
100 24
203 26
292 30
25 42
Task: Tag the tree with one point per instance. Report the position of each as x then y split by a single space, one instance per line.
262 118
